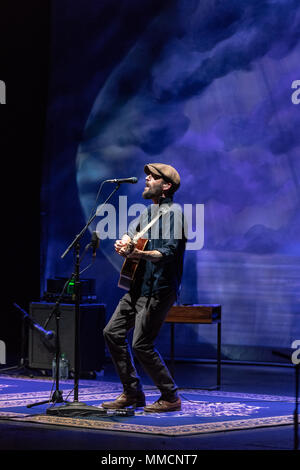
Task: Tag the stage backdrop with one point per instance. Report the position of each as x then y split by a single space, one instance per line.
206 86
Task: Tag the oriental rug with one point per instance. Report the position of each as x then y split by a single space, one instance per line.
202 411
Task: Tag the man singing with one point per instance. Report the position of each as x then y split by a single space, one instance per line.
151 295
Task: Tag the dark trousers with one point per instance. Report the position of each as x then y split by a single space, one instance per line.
146 316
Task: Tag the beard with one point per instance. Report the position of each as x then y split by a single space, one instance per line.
150 193
147 194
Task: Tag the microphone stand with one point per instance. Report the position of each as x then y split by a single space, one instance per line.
77 408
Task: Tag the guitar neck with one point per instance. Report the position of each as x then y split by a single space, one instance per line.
149 225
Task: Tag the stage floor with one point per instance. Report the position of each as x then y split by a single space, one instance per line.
240 416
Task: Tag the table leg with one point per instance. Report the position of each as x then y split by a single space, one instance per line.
219 355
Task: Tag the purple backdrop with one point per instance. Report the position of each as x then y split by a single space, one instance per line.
205 86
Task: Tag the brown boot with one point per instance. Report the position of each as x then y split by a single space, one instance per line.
124 400
162 406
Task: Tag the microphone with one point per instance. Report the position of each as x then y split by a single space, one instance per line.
132 180
47 334
95 241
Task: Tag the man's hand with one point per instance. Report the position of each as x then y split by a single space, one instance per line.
123 247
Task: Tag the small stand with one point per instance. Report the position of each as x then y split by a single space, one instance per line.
57 396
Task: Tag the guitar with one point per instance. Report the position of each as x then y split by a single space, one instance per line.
130 265
129 268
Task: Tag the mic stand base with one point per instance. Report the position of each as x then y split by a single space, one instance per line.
57 397
80 409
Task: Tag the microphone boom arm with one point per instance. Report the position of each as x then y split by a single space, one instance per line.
78 237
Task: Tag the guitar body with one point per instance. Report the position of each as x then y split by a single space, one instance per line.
129 268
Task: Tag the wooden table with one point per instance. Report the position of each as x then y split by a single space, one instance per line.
199 314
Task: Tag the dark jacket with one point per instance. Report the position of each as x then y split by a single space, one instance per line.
167 235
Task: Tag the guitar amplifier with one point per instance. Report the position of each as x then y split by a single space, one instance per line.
91 341
56 285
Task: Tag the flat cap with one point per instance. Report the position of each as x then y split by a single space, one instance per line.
167 172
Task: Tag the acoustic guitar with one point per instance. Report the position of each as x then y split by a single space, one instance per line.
129 268
130 265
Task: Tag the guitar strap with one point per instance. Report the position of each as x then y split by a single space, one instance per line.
161 211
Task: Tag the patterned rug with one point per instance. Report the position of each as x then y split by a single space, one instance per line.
202 411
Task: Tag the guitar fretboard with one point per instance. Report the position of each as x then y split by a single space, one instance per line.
162 211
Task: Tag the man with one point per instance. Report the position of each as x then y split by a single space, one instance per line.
150 297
